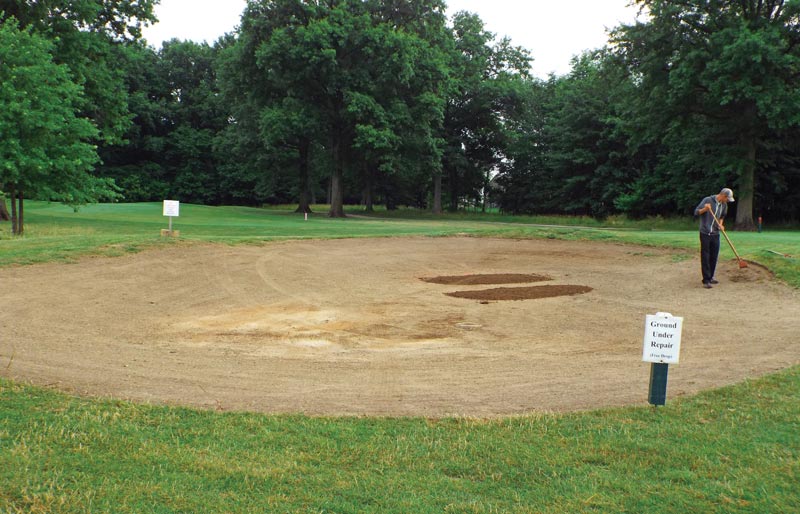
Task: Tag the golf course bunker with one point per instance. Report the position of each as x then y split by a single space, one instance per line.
346 326
521 293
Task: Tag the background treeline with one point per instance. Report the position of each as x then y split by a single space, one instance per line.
389 102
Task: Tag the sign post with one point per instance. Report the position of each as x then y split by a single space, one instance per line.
662 347
171 208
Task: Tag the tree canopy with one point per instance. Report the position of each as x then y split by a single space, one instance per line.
718 88
375 101
85 35
354 79
44 148
62 93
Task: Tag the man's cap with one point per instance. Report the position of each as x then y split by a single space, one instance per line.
727 192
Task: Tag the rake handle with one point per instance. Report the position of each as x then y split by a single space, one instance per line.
722 229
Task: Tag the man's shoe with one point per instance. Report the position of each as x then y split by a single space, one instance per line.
713 281
706 285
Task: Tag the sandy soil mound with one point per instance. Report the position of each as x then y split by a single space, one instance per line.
346 326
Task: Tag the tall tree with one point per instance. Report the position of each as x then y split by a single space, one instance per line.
170 149
343 74
274 127
485 90
400 140
569 151
44 148
523 181
717 78
588 165
84 34
137 163
196 115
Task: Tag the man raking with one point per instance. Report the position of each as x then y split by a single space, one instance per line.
712 211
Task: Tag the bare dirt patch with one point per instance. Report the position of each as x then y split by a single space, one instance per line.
345 327
496 278
521 293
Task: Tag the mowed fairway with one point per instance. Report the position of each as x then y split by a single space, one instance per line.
347 326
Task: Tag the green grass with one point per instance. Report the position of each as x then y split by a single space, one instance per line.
555 220
55 232
734 449
731 450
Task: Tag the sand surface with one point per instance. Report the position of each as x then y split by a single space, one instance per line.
349 327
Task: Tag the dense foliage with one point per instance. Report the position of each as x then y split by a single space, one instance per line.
62 95
43 148
388 101
718 91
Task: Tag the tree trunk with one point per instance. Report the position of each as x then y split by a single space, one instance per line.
391 203
305 185
21 214
437 193
369 185
4 214
337 195
744 202
453 207
337 177
14 221
487 189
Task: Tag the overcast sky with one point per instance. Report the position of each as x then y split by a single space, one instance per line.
553 31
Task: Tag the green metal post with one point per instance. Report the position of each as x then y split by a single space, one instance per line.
658 383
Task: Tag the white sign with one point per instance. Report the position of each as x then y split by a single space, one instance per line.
662 338
172 208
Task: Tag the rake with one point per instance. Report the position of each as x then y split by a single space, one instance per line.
742 263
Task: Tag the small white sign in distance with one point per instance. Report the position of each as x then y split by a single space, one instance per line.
172 208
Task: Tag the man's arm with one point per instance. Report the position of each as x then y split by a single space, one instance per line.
703 207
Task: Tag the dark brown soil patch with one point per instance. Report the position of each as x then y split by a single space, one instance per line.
476 280
521 293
